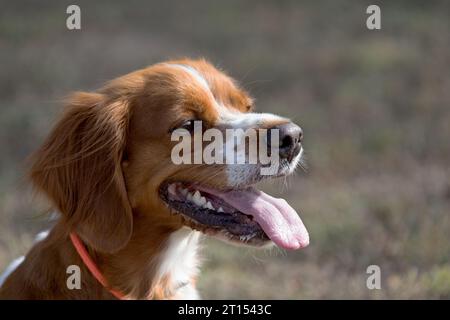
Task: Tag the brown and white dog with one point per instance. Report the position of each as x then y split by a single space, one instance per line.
106 168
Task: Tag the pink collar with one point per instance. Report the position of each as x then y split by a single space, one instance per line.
90 264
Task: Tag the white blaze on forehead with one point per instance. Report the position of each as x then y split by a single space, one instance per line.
236 119
248 120
229 117
194 73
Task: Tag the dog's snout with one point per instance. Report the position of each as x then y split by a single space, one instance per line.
291 137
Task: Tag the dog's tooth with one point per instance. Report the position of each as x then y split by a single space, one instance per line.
220 209
196 198
209 205
202 201
189 196
171 189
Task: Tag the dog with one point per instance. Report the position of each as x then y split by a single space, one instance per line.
129 218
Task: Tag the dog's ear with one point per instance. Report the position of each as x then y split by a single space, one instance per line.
79 168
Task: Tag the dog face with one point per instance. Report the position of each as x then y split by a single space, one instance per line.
109 162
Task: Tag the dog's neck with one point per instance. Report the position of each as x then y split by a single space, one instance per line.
159 262
177 266
156 264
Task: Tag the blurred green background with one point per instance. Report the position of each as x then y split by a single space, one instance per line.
374 106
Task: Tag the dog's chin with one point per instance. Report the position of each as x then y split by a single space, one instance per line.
203 211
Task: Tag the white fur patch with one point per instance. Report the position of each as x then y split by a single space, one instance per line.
41 236
195 74
18 261
236 119
243 173
10 269
179 262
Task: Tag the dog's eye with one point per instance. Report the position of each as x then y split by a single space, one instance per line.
188 125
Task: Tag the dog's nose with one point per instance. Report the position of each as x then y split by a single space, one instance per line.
291 137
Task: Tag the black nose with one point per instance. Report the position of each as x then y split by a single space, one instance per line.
291 137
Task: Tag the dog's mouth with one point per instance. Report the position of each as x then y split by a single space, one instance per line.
244 215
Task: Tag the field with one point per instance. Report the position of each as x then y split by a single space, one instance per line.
374 106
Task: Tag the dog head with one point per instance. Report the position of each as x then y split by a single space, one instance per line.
109 161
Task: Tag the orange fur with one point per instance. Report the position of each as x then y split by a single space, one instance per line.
101 167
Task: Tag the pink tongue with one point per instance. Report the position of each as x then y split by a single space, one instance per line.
275 216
